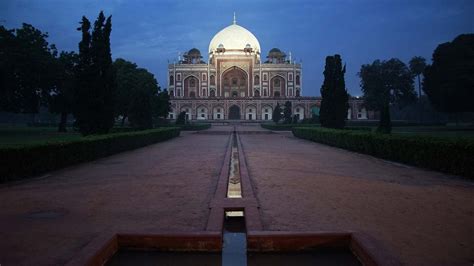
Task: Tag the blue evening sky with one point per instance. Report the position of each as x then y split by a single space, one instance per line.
150 33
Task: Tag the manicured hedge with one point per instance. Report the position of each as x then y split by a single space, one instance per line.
289 127
446 155
25 161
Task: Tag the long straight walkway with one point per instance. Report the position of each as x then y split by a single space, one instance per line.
420 216
162 187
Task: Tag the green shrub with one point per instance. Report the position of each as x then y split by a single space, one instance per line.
446 155
29 160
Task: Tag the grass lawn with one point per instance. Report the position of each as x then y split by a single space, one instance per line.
18 136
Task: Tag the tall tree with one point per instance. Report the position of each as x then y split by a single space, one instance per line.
62 96
127 81
287 113
417 67
449 81
94 109
384 83
276 117
334 103
161 104
26 68
141 106
138 95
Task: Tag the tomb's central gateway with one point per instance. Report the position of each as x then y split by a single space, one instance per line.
236 83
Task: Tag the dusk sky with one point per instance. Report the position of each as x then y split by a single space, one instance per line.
149 33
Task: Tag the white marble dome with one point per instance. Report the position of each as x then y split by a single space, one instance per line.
234 37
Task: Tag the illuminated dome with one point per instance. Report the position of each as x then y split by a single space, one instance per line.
234 37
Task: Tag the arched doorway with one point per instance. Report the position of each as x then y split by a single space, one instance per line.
234 112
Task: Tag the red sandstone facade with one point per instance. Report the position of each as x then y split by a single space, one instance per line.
235 84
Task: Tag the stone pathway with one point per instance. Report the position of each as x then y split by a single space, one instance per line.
422 217
162 187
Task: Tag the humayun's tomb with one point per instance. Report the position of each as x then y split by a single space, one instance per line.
236 85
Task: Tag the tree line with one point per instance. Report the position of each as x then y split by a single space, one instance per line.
88 84
448 82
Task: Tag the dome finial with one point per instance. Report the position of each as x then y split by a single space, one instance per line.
235 19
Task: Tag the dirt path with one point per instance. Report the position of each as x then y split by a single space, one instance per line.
422 217
163 187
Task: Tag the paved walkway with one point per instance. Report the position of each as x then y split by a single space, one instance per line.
166 186
422 217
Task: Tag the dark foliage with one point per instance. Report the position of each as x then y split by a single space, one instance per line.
94 97
295 119
276 116
181 119
27 72
138 96
21 162
334 103
287 113
449 81
384 83
62 96
428 152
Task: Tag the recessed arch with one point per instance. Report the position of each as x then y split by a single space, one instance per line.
278 86
234 112
192 84
237 80
202 112
267 112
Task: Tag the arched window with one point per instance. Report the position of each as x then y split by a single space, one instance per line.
297 79
290 77
204 77
256 80
213 93
171 93
297 93
235 94
192 82
257 93
213 80
276 82
204 92
277 94
265 92
192 94
171 80
234 81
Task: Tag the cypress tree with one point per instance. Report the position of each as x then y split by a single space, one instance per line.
334 103
287 113
94 110
276 117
